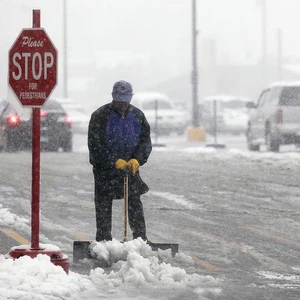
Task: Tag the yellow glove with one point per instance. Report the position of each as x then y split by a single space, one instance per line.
121 164
134 165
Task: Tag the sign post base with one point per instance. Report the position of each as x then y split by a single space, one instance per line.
56 256
196 134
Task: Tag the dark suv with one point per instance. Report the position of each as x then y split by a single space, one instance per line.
16 132
275 120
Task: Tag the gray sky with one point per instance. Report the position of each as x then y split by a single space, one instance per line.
156 32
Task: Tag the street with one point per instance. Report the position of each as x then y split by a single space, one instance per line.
235 213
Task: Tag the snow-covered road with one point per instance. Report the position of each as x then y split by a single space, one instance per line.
235 215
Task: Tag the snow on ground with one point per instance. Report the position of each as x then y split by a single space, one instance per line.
136 271
9 219
179 199
283 159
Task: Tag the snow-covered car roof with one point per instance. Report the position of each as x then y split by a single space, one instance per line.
284 83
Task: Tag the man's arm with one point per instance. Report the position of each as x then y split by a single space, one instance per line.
99 155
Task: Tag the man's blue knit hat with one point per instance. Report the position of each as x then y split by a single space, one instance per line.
122 91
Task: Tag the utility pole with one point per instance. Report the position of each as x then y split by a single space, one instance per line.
279 45
195 111
195 133
65 87
264 42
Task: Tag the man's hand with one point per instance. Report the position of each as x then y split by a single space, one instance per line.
121 164
134 165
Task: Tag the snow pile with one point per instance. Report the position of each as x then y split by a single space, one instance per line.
286 160
45 247
38 278
201 150
138 265
143 273
9 219
283 281
113 251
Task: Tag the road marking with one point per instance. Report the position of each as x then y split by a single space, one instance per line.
215 238
244 250
272 236
79 236
15 236
205 264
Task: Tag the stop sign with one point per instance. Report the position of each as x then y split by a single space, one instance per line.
32 67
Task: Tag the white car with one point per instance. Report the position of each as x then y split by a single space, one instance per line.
163 117
80 118
275 119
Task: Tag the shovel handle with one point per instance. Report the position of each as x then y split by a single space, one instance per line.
125 207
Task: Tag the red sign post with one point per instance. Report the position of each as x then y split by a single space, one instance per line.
32 77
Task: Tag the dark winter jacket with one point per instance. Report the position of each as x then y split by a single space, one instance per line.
111 138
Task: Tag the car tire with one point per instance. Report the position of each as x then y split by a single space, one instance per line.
9 144
67 146
51 147
272 143
250 145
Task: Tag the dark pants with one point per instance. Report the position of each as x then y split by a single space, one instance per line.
103 205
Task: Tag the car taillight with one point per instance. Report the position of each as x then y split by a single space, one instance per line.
278 116
43 113
68 119
13 120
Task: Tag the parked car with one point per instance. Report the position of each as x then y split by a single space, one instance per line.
161 113
16 132
275 119
229 113
80 118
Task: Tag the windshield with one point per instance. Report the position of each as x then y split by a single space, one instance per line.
234 104
222 106
290 96
52 105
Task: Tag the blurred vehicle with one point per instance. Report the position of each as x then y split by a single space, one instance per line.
161 113
275 120
229 113
16 132
80 118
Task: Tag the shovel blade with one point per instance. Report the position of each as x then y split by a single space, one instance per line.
164 246
81 249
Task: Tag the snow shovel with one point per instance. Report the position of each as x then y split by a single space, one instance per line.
126 206
81 248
